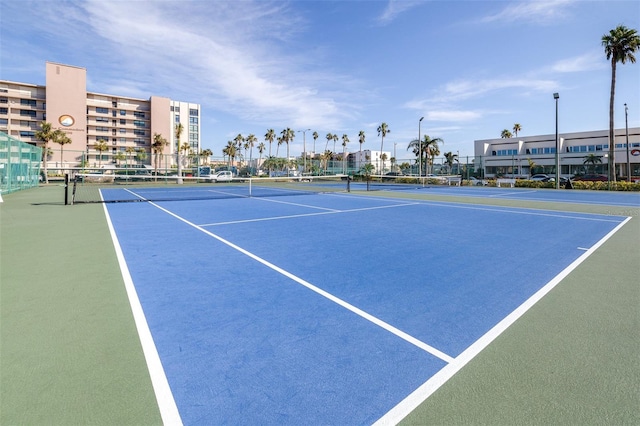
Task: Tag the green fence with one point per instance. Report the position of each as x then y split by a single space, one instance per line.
19 164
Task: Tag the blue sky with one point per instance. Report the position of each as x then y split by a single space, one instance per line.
471 68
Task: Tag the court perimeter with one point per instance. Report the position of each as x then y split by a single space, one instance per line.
71 352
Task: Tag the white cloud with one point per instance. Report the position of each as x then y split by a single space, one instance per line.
395 8
587 62
540 12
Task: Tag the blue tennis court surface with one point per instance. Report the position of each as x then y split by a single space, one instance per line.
330 309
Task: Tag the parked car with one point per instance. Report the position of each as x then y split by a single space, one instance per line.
476 181
540 178
592 178
222 176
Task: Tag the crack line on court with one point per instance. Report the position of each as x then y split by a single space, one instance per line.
386 326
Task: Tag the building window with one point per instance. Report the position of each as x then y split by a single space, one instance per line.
123 130
123 112
139 123
102 119
100 110
193 112
28 102
193 120
27 113
102 129
4 121
138 114
4 111
176 109
177 118
27 134
123 121
139 132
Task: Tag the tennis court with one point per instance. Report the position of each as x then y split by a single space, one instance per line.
333 308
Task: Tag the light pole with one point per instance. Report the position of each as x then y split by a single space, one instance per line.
304 147
626 129
556 97
419 149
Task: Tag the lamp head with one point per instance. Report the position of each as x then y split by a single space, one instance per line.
421 118
556 96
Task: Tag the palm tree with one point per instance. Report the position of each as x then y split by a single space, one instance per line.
345 141
315 138
516 129
335 138
325 157
238 140
279 141
287 136
270 136
230 150
119 156
383 157
45 134
178 132
129 150
206 154
249 142
424 148
61 138
450 158
532 166
101 146
261 148
360 141
383 129
592 159
619 45
185 147
506 134
329 136
158 148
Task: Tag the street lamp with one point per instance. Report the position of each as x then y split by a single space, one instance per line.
419 149
304 147
556 97
626 128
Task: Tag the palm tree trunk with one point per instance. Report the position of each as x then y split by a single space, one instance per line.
611 162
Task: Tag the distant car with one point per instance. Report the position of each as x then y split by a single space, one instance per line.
475 181
222 176
592 178
540 178
391 176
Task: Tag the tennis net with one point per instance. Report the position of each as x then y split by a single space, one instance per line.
400 182
110 188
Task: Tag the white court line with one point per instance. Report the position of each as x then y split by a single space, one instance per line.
164 397
388 327
417 397
262 219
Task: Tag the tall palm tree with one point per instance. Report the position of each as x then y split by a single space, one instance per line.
361 138
335 138
45 134
619 45
238 140
506 134
287 136
179 128
270 136
250 142
383 157
206 154
158 148
383 130
279 141
315 138
62 139
329 137
101 146
345 141
516 129
261 148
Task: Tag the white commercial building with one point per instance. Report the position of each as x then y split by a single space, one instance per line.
513 156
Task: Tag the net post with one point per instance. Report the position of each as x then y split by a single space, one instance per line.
66 189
